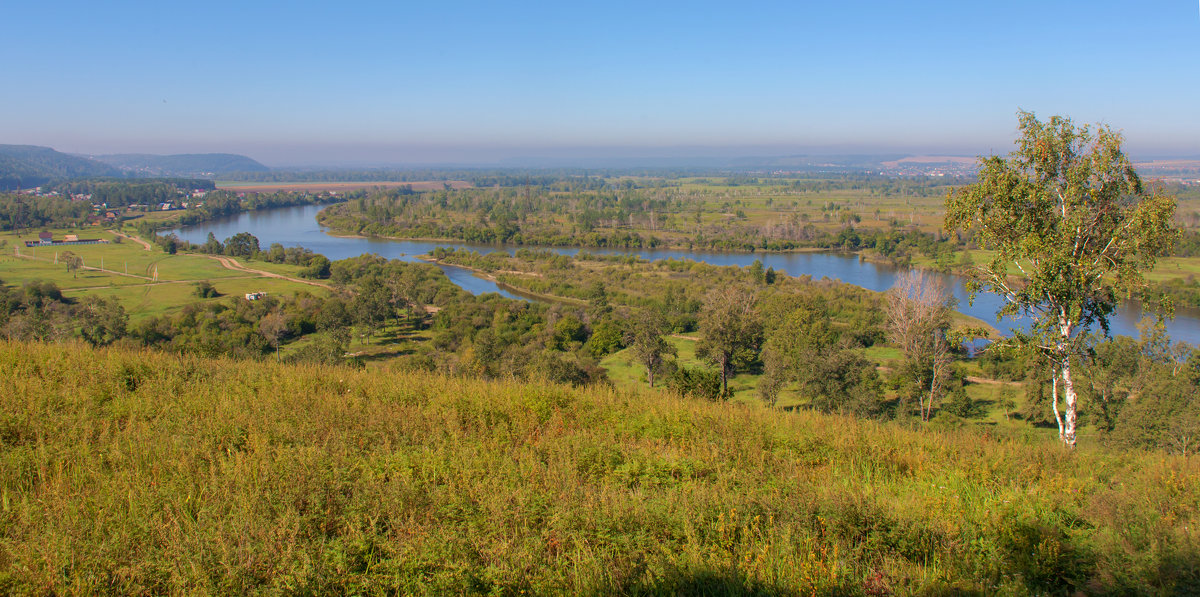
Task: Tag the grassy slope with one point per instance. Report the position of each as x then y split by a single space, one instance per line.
140 472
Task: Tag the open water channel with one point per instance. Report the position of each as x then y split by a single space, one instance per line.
297 226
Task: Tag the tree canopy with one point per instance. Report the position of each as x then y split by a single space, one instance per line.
1066 215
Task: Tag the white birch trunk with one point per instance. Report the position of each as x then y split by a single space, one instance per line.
1054 403
1067 424
1069 395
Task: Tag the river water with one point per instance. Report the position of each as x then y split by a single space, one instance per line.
297 226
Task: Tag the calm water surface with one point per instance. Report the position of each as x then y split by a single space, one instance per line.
297 226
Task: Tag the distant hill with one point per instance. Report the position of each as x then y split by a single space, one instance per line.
188 164
28 166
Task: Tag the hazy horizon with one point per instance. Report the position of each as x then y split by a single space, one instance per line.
308 84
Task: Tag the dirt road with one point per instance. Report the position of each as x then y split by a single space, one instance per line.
145 245
231 263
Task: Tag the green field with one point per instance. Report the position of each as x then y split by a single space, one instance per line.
129 271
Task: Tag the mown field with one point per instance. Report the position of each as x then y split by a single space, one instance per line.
126 270
148 473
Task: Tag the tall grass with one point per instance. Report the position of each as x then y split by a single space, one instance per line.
142 472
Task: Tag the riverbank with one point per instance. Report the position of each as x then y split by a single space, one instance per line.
295 226
549 298
343 233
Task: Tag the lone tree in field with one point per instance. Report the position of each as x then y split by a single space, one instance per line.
731 331
918 309
1069 215
646 342
74 263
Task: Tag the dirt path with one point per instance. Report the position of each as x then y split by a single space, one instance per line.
161 283
993 382
145 245
231 263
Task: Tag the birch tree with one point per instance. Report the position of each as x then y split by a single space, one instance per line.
1070 226
918 309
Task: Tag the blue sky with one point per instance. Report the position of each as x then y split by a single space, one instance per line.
339 83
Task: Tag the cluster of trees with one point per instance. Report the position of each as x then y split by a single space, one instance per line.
39 311
574 212
897 247
1143 393
795 342
1135 393
513 215
26 212
372 293
741 325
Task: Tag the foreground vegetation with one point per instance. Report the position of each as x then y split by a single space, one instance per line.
142 472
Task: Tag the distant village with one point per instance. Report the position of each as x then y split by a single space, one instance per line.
103 214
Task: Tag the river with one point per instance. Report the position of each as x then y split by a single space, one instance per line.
297 226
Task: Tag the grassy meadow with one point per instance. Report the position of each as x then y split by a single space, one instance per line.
129 269
139 472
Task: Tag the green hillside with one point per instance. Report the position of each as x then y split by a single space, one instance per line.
28 166
150 473
190 164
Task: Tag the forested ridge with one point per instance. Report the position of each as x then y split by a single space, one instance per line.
182 164
29 166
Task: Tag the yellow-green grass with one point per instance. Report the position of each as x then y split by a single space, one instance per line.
147 473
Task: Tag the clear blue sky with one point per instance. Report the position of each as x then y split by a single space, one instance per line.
322 82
